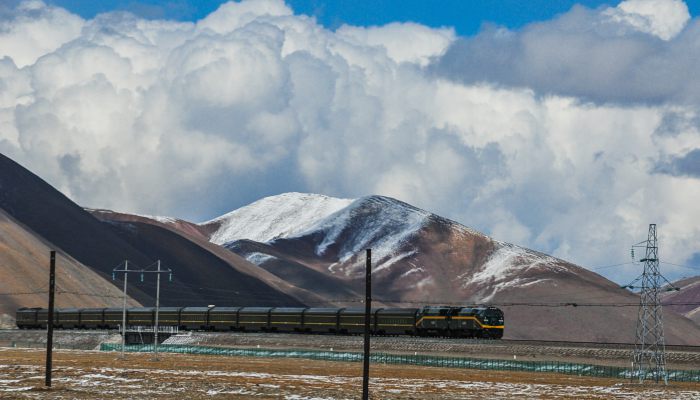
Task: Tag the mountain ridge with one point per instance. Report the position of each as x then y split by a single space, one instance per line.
311 252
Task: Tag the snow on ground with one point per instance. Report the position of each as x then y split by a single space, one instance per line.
109 382
275 217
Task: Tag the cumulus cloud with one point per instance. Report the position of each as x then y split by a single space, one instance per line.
662 18
641 51
568 136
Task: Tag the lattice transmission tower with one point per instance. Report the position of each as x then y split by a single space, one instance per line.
649 356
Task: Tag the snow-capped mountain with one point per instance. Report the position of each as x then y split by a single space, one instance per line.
422 258
273 217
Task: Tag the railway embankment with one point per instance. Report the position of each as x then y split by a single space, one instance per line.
68 339
607 354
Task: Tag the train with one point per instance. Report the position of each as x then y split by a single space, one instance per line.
443 321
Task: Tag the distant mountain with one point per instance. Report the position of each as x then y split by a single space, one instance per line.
24 274
195 255
421 258
686 301
200 276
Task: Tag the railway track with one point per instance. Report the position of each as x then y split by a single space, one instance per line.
606 353
426 341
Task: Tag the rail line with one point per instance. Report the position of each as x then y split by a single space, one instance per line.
404 339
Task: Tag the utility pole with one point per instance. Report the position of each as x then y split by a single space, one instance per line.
155 331
649 356
368 311
142 271
49 322
126 268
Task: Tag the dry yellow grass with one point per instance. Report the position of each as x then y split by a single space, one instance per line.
89 375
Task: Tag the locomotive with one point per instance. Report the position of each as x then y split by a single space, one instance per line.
481 322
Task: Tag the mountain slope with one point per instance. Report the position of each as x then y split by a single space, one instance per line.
421 258
57 220
272 217
198 275
154 232
687 300
24 274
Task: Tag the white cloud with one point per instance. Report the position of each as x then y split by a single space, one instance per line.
513 133
233 15
403 42
662 18
36 30
589 54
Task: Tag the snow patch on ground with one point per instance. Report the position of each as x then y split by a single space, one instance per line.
273 217
171 383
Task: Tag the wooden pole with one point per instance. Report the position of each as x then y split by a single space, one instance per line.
49 323
368 311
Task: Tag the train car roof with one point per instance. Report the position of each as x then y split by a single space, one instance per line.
255 309
288 310
224 309
93 309
114 309
357 310
141 309
200 309
322 310
408 311
169 309
72 309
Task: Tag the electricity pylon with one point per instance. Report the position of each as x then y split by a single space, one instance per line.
649 356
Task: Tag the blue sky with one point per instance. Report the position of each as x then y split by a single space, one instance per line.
465 16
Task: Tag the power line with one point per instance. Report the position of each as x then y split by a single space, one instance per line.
610 266
679 265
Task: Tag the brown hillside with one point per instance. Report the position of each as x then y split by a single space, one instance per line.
24 274
200 277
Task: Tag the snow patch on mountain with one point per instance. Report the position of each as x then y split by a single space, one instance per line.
161 219
503 266
281 216
259 258
414 270
381 223
499 264
393 260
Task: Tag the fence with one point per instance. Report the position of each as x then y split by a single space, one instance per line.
421 360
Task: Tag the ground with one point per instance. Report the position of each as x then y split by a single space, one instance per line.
80 374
